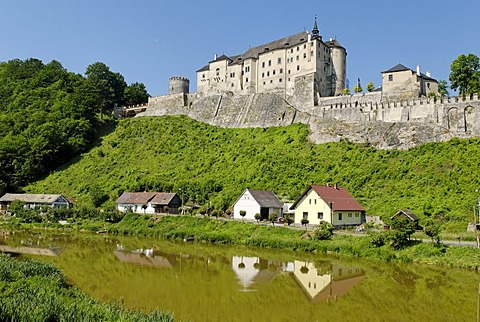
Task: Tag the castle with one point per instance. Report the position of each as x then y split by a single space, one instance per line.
301 79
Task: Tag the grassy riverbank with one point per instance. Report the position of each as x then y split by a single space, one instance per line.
34 291
232 232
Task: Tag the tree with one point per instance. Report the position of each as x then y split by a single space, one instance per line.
401 230
346 91
357 89
465 74
243 213
442 88
289 219
257 217
431 228
135 93
370 87
305 222
110 87
272 217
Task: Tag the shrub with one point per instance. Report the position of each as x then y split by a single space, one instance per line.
324 231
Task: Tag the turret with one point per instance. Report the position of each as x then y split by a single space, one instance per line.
178 85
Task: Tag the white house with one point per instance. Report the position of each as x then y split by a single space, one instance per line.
149 202
34 200
252 202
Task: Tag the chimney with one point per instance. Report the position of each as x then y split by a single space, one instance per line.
215 57
418 70
427 73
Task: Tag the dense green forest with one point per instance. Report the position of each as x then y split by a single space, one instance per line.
208 164
48 115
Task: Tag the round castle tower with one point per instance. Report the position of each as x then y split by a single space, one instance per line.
178 85
339 58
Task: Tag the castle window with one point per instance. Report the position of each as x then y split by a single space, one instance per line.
298 48
428 85
217 72
232 84
281 70
298 58
263 75
268 73
304 55
289 72
273 72
291 51
269 63
311 53
304 46
263 64
203 75
279 60
246 80
280 80
271 81
232 75
289 79
263 83
390 78
298 67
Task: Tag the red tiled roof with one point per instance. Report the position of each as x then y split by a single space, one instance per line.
339 198
135 197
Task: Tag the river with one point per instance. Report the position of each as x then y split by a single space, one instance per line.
202 282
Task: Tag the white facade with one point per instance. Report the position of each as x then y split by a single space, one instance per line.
252 205
136 208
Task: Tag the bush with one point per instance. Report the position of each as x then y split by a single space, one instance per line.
324 231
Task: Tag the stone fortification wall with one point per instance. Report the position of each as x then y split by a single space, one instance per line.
361 118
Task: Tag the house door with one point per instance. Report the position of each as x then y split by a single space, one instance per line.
264 213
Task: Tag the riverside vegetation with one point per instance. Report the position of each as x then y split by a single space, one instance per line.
34 291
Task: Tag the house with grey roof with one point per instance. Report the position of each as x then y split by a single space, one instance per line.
149 202
263 202
401 81
33 200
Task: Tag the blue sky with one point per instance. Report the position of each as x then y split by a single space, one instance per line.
148 41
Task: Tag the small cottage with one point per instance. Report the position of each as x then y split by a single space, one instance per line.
149 202
330 203
263 202
32 200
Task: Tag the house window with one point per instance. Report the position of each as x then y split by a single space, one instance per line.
320 215
428 85
309 201
356 215
349 215
390 78
315 201
279 60
339 216
305 215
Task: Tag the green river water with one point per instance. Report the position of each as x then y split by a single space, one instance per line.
201 282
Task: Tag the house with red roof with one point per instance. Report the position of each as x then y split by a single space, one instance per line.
330 203
149 202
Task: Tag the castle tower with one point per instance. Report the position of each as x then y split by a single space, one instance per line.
178 85
339 66
315 31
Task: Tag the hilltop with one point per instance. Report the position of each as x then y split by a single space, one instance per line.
205 163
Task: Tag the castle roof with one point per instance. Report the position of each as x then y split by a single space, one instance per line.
282 43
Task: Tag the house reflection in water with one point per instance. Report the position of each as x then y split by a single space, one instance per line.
252 270
322 281
146 257
40 251
325 281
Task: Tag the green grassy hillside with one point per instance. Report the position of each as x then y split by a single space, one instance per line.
204 163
